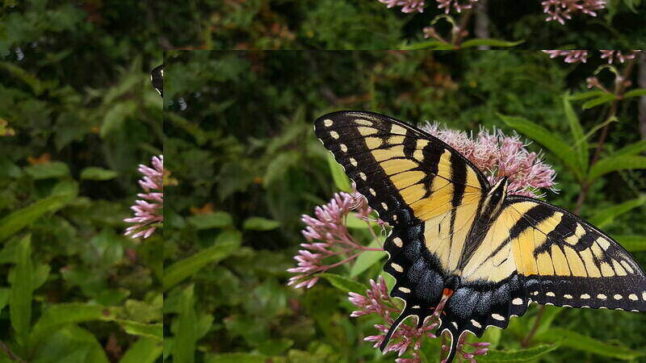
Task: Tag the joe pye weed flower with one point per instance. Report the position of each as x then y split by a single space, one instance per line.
149 207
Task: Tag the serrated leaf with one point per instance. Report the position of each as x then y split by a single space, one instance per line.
580 145
58 315
574 340
490 42
153 331
217 219
115 116
17 220
225 245
144 350
635 93
343 283
96 173
605 216
549 140
367 259
341 180
54 169
632 243
523 355
603 99
279 165
260 224
22 290
616 163
70 344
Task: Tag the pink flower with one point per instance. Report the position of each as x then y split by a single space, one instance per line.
408 337
149 208
561 10
328 237
612 55
571 56
498 156
458 5
408 6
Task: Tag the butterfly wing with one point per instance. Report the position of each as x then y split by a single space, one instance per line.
535 251
421 186
407 175
157 79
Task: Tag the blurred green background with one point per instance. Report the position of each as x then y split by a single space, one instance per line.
246 165
77 117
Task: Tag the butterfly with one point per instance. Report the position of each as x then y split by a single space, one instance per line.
157 79
486 252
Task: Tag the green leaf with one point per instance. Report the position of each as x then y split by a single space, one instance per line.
279 166
144 350
341 180
115 116
429 44
635 93
580 145
226 243
605 98
95 173
4 297
54 169
260 224
21 291
218 219
237 358
186 334
616 163
551 141
631 149
153 331
58 315
367 259
585 95
17 220
605 216
352 221
632 243
70 344
343 283
523 355
574 340
490 42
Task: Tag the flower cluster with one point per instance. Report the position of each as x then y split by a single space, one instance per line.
500 156
149 208
408 337
556 10
458 5
562 10
328 238
408 6
581 56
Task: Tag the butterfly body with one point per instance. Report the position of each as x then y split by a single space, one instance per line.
456 240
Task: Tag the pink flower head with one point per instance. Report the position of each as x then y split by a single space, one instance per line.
408 6
328 237
571 56
498 156
149 208
458 5
612 55
562 10
408 337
